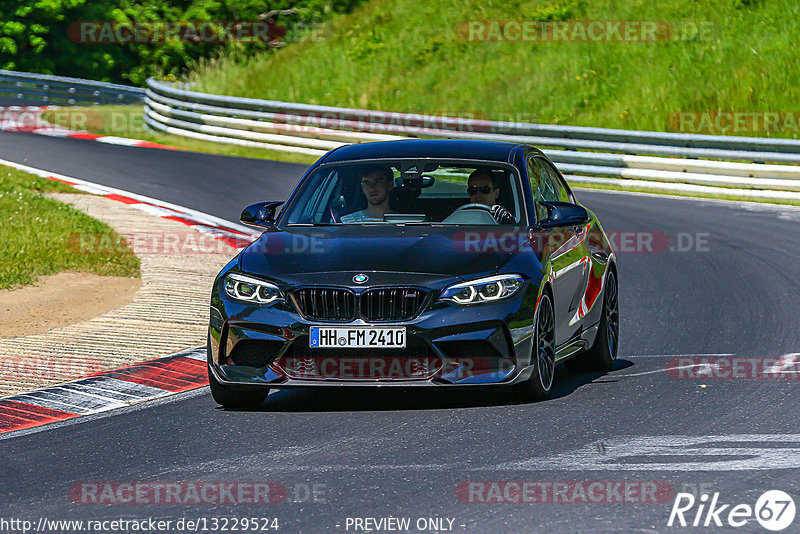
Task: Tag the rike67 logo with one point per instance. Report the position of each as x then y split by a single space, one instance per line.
774 510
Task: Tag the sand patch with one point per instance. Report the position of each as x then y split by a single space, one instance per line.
62 299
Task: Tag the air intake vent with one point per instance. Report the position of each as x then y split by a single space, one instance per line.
254 352
413 363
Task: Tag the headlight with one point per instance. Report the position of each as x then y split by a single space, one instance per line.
248 289
483 290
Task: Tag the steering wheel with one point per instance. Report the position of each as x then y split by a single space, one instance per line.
474 206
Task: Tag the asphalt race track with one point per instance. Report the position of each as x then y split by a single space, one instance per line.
732 294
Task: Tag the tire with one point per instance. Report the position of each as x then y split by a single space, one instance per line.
603 353
236 398
543 356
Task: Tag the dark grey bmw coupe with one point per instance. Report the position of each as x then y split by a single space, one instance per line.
437 263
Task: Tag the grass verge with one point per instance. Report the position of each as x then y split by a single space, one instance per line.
421 57
37 234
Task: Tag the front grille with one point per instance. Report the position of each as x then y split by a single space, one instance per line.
415 363
391 304
328 304
380 304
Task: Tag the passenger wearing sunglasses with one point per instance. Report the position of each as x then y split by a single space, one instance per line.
483 187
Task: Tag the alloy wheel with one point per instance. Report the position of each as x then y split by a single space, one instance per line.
612 315
545 343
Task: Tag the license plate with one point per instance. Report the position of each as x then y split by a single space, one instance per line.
326 337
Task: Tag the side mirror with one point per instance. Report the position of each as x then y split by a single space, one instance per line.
261 214
563 214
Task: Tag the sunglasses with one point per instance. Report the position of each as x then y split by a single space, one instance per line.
485 189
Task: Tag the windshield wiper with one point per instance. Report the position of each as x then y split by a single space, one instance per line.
311 224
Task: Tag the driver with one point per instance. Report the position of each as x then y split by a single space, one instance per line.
376 182
483 187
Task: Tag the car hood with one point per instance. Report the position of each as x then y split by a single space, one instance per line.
446 251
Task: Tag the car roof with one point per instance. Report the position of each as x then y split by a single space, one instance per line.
424 148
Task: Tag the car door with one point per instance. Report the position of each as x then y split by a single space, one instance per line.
568 254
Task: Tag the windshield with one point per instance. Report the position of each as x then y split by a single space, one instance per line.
408 192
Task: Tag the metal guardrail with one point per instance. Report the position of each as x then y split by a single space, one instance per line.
62 90
629 141
661 161
750 167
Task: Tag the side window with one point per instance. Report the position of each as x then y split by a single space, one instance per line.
546 185
537 189
330 188
558 189
320 199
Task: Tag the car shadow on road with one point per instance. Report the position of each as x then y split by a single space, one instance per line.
371 399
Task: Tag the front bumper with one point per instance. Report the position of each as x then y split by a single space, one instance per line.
447 345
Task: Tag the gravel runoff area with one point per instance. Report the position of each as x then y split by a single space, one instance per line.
168 313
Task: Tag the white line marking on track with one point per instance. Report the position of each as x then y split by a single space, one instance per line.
698 355
123 141
779 368
736 452
51 403
665 370
787 360
84 392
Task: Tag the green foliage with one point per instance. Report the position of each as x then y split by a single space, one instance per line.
554 11
35 234
35 34
410 55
